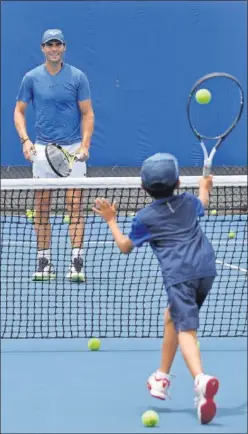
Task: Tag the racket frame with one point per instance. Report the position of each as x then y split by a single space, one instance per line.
208 159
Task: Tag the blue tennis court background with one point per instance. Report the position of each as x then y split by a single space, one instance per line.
141 58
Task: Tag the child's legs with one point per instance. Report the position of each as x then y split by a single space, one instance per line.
185 300
170 343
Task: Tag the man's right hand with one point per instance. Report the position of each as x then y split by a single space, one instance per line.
28 150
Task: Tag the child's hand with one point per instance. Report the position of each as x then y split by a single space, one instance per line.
206 182
105 209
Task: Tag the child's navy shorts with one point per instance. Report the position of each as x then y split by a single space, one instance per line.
185 300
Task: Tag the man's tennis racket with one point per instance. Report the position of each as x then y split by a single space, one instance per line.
215 120
59 159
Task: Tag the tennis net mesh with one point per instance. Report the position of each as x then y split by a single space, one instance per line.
123 295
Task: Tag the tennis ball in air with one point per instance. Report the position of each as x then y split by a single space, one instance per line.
203 96
66 220
94 344
231 234
198 344
150 418
213 212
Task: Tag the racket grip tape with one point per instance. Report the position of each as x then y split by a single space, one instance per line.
206 171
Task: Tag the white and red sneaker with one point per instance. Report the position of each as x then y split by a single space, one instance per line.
159 384
206 388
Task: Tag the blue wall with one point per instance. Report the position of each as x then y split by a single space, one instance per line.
141 59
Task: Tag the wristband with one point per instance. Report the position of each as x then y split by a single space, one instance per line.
24 140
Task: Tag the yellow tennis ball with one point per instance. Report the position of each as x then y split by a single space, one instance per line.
150 418
231 234
203 96
94 344
30 215
198 344
213 212
66 220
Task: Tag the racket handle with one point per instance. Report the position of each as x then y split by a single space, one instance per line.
206 171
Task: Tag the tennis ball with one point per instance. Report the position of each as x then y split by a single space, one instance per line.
203 96
150 418
30 215
213 212
94 344
66 220
198 344
231 234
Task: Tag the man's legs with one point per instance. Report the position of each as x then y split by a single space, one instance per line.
45 270
74 202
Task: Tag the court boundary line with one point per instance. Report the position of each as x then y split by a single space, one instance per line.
98 242
27 243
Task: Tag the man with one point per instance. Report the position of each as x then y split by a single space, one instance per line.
60 95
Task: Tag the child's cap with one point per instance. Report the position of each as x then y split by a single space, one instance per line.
159 171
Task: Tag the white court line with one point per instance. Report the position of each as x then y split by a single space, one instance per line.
60 279
233 267
27 243
225 264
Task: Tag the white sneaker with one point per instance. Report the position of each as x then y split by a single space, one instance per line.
75 272
45 270
159 387
206 388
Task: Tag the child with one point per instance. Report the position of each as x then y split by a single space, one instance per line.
187 260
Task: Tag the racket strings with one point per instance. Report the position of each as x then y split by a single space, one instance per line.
58 160
215 118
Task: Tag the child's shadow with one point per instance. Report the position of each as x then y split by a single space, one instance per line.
221 411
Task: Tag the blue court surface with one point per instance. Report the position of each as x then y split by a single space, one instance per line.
58 386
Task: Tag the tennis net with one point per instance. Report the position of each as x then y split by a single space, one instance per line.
123 295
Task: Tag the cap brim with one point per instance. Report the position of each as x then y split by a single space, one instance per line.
53 39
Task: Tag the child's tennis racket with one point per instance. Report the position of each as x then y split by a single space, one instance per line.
216 119
59 159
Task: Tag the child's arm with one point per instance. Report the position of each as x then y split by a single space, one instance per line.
108 212
206 184
123 242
